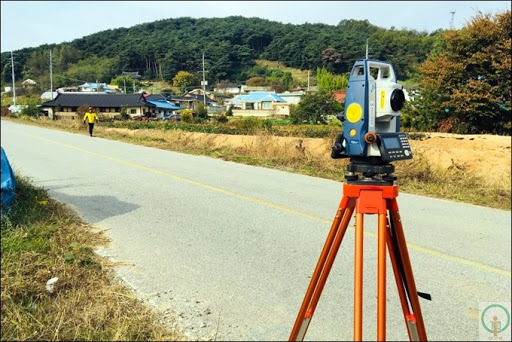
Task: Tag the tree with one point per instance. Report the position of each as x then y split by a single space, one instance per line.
63 56
467 87
277 85
184 79
37 65
122 81
280 80
330 58
202 111
315 108
92 69
255 81
329 82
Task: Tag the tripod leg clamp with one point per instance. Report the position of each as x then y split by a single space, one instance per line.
338 150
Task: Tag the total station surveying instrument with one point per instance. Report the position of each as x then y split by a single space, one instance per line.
371 138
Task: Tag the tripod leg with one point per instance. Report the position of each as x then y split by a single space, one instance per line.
358 279
408 274
381 278
323 267
399 275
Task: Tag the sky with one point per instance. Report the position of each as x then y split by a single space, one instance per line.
33 23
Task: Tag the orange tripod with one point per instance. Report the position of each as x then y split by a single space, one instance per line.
367 199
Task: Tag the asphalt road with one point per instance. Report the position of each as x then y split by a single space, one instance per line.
230 247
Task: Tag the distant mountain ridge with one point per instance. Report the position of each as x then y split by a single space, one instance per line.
160 49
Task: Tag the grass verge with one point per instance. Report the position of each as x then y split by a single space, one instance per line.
42 239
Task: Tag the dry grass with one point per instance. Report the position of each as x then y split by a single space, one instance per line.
419 176
42 239
297 74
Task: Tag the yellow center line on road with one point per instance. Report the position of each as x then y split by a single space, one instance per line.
425 250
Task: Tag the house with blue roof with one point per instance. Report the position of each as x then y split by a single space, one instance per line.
260 103
163 108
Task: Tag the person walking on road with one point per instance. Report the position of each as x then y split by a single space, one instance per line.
91 118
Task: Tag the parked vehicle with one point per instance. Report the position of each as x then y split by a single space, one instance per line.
171 117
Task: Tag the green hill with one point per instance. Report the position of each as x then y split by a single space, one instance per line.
158 50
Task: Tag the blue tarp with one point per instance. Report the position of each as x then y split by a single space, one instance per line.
8 182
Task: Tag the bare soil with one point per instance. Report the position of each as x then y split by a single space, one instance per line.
483 155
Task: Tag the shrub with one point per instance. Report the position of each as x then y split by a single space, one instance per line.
6 111
80 111
124 113
267 124
202 112
186 116
31 109
221 118
249 123
333 121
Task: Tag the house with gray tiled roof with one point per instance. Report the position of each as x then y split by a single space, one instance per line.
192 101
133 74
228 88
65 105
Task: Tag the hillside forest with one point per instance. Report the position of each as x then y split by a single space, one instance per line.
460 78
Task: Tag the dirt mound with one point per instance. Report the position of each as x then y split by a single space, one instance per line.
484 155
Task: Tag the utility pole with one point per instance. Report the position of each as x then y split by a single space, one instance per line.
124 81
451 21
204 86
13 83
51 75
367 47
97 86
309 71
